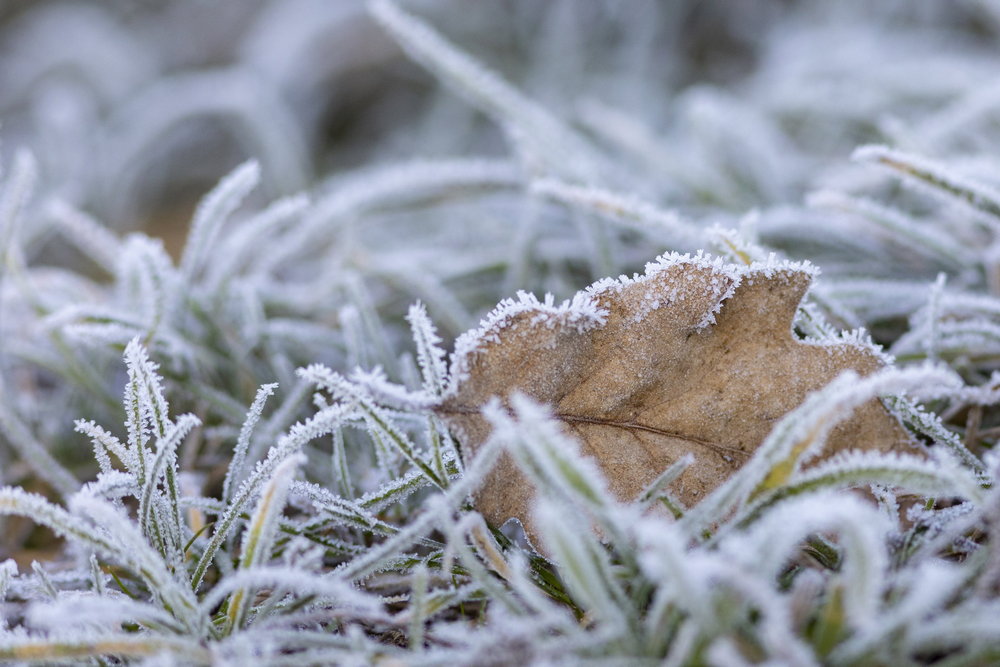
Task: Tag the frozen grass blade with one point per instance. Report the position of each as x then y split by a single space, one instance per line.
258 539
418 606
212 212
17 433
345 511
626 210
290 444
235 470
802 433
129 546
930 176
378 421
430 355
585 565
857 469
341 469
166 455
438 512
14 196
924 239
90 646
928 424
94 239
563 150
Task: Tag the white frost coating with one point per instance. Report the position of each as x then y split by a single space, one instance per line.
213 211
15 192
387 393
768 545
857 338
94 239
233 473
976 197
555 144
987 393
430 355
84 611
622 208
326 586
583 311
905 471
901 228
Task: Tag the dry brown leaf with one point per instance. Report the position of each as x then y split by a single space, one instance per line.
695 356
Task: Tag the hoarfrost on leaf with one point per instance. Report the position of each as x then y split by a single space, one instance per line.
695 356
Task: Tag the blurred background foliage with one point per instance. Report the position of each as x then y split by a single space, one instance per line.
135 109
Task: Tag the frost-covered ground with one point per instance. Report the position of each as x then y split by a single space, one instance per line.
275 486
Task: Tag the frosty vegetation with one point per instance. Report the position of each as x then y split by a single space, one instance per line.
224 450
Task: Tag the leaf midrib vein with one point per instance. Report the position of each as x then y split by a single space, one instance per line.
722 450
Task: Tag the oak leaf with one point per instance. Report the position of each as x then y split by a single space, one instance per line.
694 356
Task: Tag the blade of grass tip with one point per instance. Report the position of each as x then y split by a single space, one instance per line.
36 508
487 547
657 487
235 470
213 211
153 406
434 430
496 591
258 540
927 240
91 237
394 491
856 469
343 511
926 423
585 567
242 245
430 354
96 576
372 329
292 580
44 582
137 436
18 188
8 570
735 244
374 188
103 447
280 420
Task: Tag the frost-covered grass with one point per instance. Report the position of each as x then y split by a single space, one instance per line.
225 452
